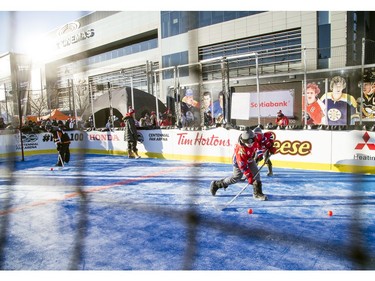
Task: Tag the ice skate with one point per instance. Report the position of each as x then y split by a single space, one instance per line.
260 197
215 185
270 173
213 188
257 191
131 154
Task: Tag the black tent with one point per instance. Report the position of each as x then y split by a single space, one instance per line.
143 102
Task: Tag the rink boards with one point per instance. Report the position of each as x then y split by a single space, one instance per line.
343 151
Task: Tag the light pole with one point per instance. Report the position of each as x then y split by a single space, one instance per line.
122 71
74 102
6 102
110 105
92 105
160 71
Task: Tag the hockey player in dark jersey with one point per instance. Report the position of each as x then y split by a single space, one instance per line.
62 141
243 164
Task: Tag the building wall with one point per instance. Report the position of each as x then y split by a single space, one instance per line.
338 39
121 26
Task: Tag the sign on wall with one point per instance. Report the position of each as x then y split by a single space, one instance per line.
249 105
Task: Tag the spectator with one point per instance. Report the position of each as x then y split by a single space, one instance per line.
167 118
2 124
72 124
67 124
153 119
281 119
116 121
145 121
108 125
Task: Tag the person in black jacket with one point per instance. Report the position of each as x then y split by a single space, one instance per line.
131 135
62 141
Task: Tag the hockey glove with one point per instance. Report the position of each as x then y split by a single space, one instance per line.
249 177
268 144
272 150
258 156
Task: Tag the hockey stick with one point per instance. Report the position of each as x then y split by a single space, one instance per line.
243 189
58 151
61 160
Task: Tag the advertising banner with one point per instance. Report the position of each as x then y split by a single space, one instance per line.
346 151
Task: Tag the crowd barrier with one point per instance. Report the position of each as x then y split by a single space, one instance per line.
343 151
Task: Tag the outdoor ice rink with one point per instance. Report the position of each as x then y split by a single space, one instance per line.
112 213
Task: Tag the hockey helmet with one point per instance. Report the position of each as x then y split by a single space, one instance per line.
258 130
247 137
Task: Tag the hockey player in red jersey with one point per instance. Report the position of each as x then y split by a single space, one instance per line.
266 141
243 164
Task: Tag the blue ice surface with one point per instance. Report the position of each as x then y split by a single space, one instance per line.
105 212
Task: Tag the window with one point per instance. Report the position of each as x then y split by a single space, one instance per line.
324 39
276 49
174 60
174 22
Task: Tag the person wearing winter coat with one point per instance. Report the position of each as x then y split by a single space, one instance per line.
131 134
